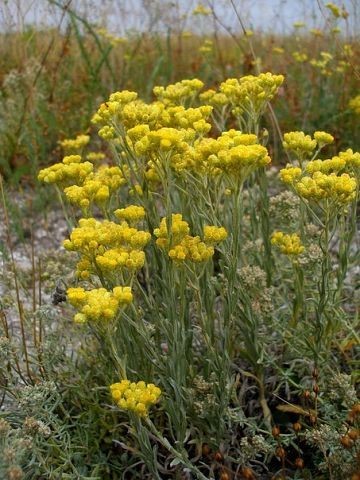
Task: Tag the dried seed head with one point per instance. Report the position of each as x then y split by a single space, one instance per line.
346 441
297 426
299 463
316 389
224 475
315 373
355 411
275 431
312 419
280 452
307 394
9 455
354 434
218 457
205 450
4 426
14 473
247 473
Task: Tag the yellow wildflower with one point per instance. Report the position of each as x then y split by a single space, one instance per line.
98 304
135 397
288 244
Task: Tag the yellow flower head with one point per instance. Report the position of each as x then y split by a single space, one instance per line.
299 143
288 244
76 144
354 104
132 213
99 304
323 138
135 397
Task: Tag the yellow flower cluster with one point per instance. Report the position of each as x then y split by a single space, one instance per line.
335 10
313 184
233 153
251 93
340 189
112 39
181 246
132 213
165 133
288 244
240 160
334 164
207 47
70 170
354 104
299 143
98 304
107 245
352 159
303 145
94 157
323 138
164 140
96 188
113 107
200 9
213 235
135 397
76 144
300 57
213 98
180 92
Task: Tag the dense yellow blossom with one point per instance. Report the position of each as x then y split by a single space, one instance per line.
240 160
323 138
334 164
216 99
300 57
96 188
71 170
299 143
288 244
352 159
251 93
179 229
112 39
76 144
324 179
214 235
113 106
334 9
233 153
181 246
200 9
290 174
107 246
98 304
132 213
340 189
206 47
354 104
95 156
135 397
180 92
93 234
278 50
119 258
107 132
